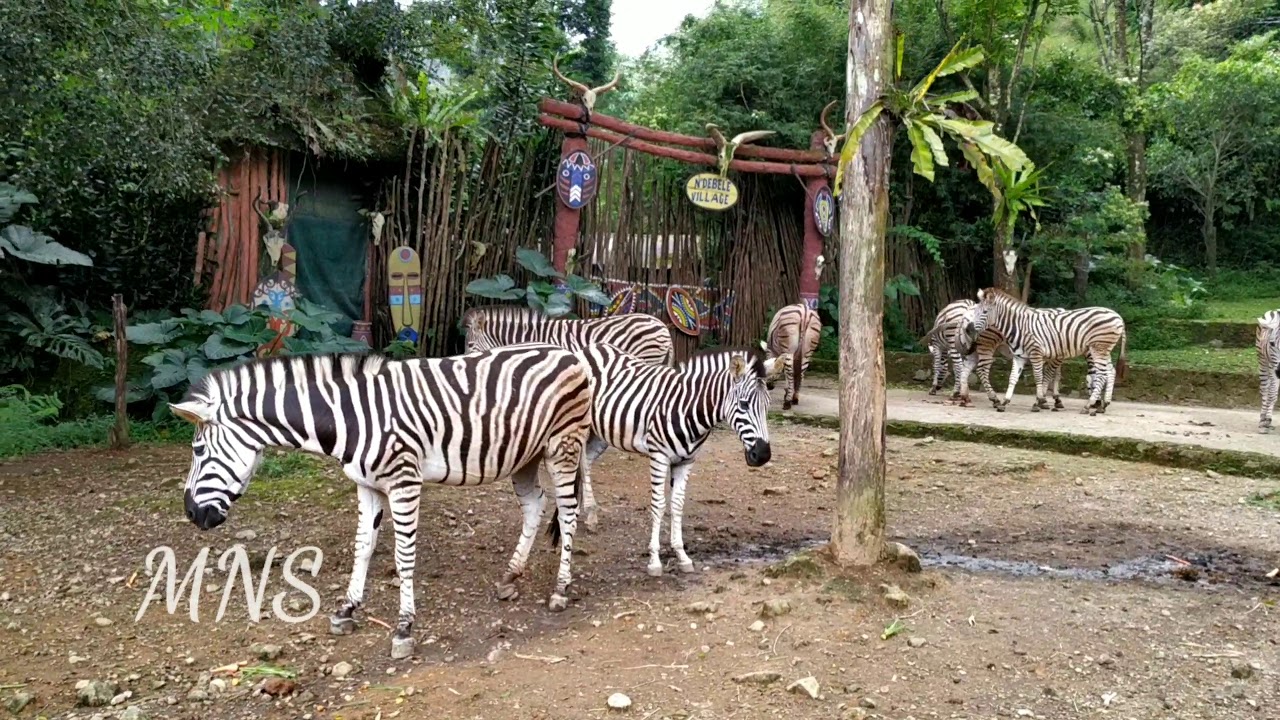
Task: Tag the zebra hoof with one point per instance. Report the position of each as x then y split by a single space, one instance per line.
786 405
1036 408
508 592
1264 429
999 407
933 391
557 603
654 570
1056 408
341 625
686 567
401 647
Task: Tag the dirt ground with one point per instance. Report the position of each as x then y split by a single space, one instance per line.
1048 592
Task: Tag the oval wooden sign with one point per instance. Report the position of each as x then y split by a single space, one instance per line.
824 211
577 181
623 302
711 192
683 310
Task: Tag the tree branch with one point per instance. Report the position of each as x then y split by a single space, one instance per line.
1016 71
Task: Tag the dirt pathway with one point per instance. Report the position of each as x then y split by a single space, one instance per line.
1206 427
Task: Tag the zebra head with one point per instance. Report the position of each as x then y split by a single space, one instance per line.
223 459
1268 334
475 326
748 399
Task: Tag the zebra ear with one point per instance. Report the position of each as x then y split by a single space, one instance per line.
981 293
1269 323
737 366
193 411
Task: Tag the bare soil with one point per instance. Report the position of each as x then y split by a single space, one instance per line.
1054 587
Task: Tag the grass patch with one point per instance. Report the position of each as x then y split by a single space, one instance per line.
1267 501
802 566
1191 457
287 475
1206 359
1244 311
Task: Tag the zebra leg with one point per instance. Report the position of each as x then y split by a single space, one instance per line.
1038 368
1270 386
964 371
342 622
596 446
1014 373
1098 387
659 468
404 512
1056 370
532 502
787 389
939 369
564 472
984 376
679 480
1111 387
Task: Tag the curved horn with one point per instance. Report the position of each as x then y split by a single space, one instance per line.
555 68
823 120
257 200
609 85
715 134
751 136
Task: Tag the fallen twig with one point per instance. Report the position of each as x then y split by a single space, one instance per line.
549 659
376 621
1228 654
1179 560
14 686
773 650
667 667
625 614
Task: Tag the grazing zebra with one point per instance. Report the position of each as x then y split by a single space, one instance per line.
462 420
1047 338
794 334
944 343
642 336
668 413
979 355
1268 338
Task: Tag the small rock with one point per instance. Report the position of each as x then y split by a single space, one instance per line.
868 703
118 699
895 596
902 556
132 713
18 701
922 375
95 693
217 685
1211 474
101 621
266 652
818 473
775 607
806 685
279 687
760 677
779 490
702 607
757 626
197 695
4 597
1241 671
855 713
917 642
1106 660
342 670
618 701
246 534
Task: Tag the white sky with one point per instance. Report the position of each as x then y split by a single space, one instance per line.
638 24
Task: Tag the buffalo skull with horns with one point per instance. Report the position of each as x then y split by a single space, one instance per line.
831 139
727 147
586 95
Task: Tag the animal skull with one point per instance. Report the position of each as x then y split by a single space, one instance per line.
586 94
728 147
832 139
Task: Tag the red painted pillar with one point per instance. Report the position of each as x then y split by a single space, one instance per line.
813 238
565 234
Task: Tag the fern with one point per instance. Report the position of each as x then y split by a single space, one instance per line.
50 328
931 243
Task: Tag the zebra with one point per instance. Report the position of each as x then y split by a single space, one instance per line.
668 413
1268 340
944 343
794 334
461 420
642 336
1047 338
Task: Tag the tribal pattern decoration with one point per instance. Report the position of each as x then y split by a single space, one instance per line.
577 180
712 306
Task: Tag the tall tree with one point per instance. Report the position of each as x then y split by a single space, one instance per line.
587 23
858 535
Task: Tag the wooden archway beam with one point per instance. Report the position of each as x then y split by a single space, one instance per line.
573 112
688 156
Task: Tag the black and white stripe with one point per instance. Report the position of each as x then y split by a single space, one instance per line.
794 334
642 336
1047 337
667 414
945 342
462 420
1268 340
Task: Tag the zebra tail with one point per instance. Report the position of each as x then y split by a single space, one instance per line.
1122 366
796 359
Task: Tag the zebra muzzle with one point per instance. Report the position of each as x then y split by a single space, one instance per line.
758 454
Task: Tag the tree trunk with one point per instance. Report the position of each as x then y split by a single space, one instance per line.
1082 277
1002 278
1136 182
1026 282
119 435
1210 231
858 535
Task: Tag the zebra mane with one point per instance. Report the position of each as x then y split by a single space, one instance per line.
345 365
755 357
1002 298
509 313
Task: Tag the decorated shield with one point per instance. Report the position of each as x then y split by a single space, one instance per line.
623 302
576 183
683 310
824 211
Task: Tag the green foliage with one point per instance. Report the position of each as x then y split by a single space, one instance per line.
29 424
540 293
48 327
896 332
184 348
26 244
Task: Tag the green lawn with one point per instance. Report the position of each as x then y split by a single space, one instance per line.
1241 310
1235 360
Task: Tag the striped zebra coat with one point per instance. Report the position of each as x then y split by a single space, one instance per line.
794 334
1047 338
979 355
944 343
667 414
642 336
462 420
1268 341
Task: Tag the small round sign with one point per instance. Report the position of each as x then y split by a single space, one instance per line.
577 179
824 210
711 192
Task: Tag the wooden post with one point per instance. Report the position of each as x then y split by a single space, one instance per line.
565 234
813 240
119 435
858 535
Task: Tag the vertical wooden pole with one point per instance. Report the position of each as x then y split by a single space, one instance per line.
813 239
119 435
565 236
858 536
